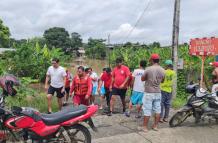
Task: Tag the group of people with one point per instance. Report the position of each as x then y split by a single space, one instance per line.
151 87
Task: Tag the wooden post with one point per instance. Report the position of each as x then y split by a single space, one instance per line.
202 70
175 42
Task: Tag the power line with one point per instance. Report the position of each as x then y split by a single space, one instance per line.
139 19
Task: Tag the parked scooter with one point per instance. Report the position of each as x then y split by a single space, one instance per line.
27 124
200 105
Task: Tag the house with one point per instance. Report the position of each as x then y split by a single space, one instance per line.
81 52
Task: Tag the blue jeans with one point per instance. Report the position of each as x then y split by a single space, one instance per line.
165 104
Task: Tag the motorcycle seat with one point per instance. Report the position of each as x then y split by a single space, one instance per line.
63 115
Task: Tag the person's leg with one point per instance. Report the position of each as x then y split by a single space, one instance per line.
130 108
123 97
162 106
76 100
66 96
94 89
114 93
156 107
147 109
107 95
139 104
49 98
60 96
167 106
102 101
112 102
59 103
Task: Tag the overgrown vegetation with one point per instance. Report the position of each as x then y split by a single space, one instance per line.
28 97
30 60
191 72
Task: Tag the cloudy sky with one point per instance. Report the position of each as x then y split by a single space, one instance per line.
98 18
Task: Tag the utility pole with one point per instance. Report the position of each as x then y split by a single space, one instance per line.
175 42
109 57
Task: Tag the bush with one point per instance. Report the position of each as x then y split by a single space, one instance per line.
28 97
31 60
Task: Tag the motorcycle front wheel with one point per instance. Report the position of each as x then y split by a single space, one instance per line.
78 134
179 118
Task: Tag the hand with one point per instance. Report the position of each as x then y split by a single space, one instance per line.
46 87
110 88
86 97
122 86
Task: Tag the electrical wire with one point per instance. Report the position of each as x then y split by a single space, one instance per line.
138 20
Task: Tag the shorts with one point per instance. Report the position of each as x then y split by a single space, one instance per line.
52 90
120 92
102 91
94 90
151 103
67 90
136 97
80 99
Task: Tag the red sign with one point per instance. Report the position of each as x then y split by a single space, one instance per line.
204 46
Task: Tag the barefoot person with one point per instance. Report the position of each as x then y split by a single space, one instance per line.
81 87
166 91
120 77
152 76
57 75
138 89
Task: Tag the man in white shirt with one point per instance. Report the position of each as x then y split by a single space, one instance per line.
57 77
138 89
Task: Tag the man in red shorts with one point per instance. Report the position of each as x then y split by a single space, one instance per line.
82 87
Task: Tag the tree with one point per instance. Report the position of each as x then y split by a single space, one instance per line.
76 40
4 35
57 37
96 48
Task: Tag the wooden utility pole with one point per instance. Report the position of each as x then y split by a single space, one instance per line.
175 41
109 57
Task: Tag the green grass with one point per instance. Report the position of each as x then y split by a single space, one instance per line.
38 102
178 102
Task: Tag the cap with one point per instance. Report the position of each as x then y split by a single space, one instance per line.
168 62
215 64
154 56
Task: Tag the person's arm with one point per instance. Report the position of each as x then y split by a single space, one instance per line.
47 79
100 85
132 82
89 89
124 83
128 74
72 87
63 89
144 76
112 81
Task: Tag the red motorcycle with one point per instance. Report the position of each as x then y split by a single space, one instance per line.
27 124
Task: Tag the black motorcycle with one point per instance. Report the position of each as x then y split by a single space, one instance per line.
200 105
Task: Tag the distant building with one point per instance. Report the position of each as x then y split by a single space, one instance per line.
81 52
2 50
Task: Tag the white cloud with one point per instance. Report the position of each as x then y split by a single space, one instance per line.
98 18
